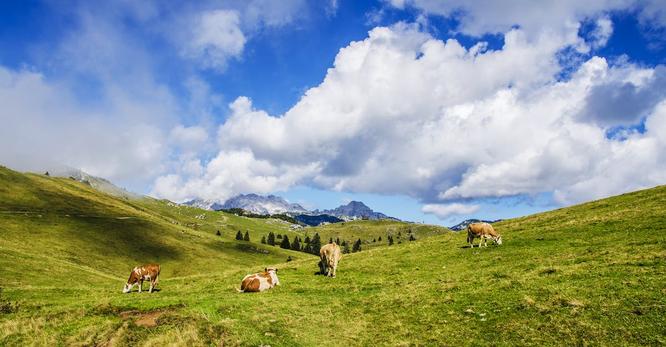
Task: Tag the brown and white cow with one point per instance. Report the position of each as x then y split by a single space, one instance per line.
330 256
149 272
260 281
483 231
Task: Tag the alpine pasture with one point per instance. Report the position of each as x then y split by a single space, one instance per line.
592 274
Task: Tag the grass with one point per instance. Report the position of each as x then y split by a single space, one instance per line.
591 274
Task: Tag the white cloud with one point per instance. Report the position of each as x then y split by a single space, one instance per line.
216 37
442 211
534 17
229 173
189 137
44 126
403 113
602 32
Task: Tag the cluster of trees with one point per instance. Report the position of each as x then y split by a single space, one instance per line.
312 245
240 237
309 245
390 239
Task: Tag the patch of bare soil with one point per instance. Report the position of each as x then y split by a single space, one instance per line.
142 319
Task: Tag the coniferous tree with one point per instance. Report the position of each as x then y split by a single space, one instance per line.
307 239
263 239
374 240
357 246
330 240
285 242
279 236
337 240
379 239
390 240
412 238
239 236
315 244
271 239
296 245
247 236
345 247
218 233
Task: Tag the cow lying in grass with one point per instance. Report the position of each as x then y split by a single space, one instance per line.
483 231
260 281
330 256
150 272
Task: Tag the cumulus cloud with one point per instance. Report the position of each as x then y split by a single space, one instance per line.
601 33
229 173
404 113
442 211
216 37
625 96
477 18
44 126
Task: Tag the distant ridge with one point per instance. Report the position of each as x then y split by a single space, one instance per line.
99 183
354 210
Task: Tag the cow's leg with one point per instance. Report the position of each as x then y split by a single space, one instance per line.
335 267
152 285
140 285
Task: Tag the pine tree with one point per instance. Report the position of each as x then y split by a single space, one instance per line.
345 247
374 240
247 236
330 240
218 233
357 246
412 238
296 245
307 239
390 240
285 242
379 239
279 236
315 244
239 236
337 240
263 239
271 239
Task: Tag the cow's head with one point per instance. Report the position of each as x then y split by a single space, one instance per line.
498 240
128 287
131 281
273 273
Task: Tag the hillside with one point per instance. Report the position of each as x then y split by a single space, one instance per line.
588 274
374 233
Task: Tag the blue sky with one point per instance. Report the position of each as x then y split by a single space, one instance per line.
426 110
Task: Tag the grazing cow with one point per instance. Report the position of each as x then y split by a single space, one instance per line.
150 272
330 256
483 231
260 281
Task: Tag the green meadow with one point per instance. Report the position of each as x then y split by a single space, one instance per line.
592 274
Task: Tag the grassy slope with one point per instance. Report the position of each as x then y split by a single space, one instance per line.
368 231
592 273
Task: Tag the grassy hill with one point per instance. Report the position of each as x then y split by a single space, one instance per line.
588 274
370 231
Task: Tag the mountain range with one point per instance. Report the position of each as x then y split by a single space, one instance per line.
354 210
271 204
